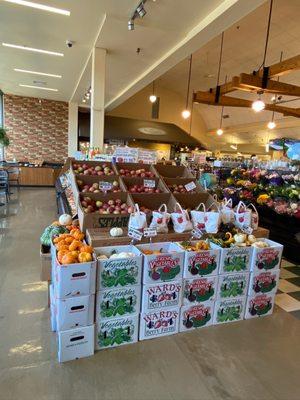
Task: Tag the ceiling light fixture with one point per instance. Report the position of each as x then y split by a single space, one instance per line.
258 105
186 112
37 73
38 87
152 97
267 147
15 46
233 146
40 7
271 125
141 10
220 132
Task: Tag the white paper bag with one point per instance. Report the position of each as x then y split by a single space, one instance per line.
160 219
205 219
254 217
226 211
242 216
137 219
181 220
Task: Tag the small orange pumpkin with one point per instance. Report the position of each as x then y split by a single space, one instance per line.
77 234
57 239
60 254
68 259
86 249
76 244
69 240
62 247
85 257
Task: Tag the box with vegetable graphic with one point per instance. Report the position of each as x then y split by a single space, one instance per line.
234 259
259 305
229 310
161 295
116 332
199 290
233 285
263 282
196 316
163 262
118 266
267 256
158 323
118 303
201 262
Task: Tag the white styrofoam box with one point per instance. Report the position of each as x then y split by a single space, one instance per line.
74 312
196 316
233 285
229 310
75 279
234 259
52 309
76 343
199 290
164 267
161 295
267 258
116 332
159 323
118 303
263 282
259 305
201 263
119 272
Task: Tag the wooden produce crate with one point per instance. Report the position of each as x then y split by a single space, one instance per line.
169 182
129 182
93 164
135 167
153 201
171 171
191 201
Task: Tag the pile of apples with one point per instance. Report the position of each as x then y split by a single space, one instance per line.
105 207
137 173
179 189
94 188
86 169
143 189
145 209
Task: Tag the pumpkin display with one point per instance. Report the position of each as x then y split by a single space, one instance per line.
85 257
86 249
65 219
116 232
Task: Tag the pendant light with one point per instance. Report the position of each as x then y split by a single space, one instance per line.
186 112
258 105
220 130
152 97
272 124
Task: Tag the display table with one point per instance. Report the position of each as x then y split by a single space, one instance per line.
99 237
38 176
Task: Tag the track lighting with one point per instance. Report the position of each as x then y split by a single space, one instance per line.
141 10
131 25
233 146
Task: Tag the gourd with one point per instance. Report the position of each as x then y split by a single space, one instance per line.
65 219
115 232
49 232
239 238
251 238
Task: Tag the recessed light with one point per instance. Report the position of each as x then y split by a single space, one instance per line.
38 87
40 6
36 73
15 46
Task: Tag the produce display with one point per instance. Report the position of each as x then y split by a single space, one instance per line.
200 245
95 187
136 173
86 169
114 254
180 189
143 189
105 207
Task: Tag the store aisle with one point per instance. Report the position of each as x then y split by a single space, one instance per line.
255 359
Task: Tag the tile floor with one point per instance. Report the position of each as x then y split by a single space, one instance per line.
288 294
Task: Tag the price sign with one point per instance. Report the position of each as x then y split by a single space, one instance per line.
135 234
247 229
105 186
190 186
149 183
197 233
150 232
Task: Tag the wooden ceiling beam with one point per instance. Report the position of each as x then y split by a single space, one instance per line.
228 87
283 67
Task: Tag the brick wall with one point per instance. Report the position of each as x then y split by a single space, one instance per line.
37 129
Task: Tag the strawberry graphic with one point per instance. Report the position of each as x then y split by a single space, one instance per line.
159 220
255 220
241 219
205 219
200 226
166 270
180 220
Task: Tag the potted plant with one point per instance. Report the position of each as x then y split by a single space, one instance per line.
4 141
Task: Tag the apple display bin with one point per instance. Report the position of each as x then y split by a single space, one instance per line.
196 316
200 290
119 272
96 220
169 182
259 305
234 259
159 323
263 282
267 258
158 296
157 182
171 171
229 310
116 332
92 164
164 267
136 166
231 286
201 263
76 343
118 303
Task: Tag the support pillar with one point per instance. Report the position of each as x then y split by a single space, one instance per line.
72 129
97 98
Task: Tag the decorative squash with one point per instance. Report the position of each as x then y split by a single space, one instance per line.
115 232
68 259
77 234
65 219
85 257
60 254
76 244
86 249
69 240
62 246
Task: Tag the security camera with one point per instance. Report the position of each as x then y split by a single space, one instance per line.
69 43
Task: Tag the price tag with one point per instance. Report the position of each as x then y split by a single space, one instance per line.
197 233
105 186
247 229
135 234
149 183
190 186
150 232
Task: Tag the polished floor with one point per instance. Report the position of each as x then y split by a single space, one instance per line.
254 359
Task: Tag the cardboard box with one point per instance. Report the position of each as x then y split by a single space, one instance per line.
161 295
134 167
92 164
171 171
74 312
233 285
119 272
158 184
52 309
259 305
229 310
164 267
201 263
199 290
158 323
196 316
234 259
116 332
76 343
267 258
191 201
45 265
118 303
265 282
169 182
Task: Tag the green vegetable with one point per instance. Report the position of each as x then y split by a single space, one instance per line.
51 231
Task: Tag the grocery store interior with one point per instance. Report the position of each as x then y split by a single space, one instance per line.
149 199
